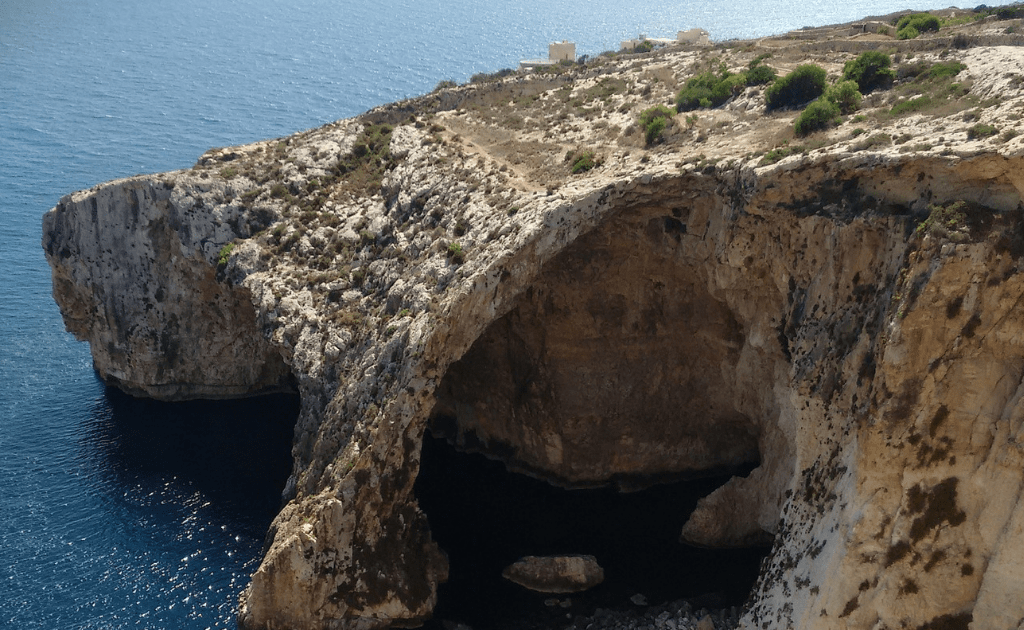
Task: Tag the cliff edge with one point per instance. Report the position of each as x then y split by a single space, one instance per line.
840 310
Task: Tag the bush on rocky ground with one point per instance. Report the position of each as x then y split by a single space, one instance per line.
710 89
581 160
759 75
797 88
653 121
844 95
910 26
820 114
870 70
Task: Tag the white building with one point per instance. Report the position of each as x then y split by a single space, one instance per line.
695 36
562 51
557 53
631 44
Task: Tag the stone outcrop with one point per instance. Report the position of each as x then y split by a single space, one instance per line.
555 574
135 272
846 319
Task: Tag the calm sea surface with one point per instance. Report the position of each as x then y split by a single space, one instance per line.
118 513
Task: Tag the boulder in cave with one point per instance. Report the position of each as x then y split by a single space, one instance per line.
555 574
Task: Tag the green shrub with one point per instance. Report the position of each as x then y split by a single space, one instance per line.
845 96
358 277
653 131
1010 12
800 86
945 220
489 77
710 90
907 32
582 161
920 21
653 121
820 114
773 156
911 106
731 85
456 253
944 69
981 130
251 194
758 59
224 254
871 142
364 168
697 90
869 70
759 75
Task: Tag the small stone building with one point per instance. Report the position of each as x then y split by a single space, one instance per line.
562 51
557 53
696 36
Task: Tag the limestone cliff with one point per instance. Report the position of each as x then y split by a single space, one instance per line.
845 317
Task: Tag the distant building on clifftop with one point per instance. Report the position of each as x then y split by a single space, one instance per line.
562 51
642 43
697 36
557 53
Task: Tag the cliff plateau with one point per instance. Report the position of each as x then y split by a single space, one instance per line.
842 312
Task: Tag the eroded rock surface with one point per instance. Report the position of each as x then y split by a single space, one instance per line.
847 318
135 272
555 574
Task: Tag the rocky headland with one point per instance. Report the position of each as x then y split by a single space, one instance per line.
513 266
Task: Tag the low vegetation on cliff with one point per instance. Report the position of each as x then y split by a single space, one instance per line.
729 104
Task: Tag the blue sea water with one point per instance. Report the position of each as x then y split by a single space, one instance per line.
119 513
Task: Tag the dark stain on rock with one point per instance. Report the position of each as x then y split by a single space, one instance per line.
896 552
940 416
850 606
959 621
953 307
909 587
903 404
937 506
170 340
937 557
971 326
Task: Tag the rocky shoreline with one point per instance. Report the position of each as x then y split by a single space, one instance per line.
519 266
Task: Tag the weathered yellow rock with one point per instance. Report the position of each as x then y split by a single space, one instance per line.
665 314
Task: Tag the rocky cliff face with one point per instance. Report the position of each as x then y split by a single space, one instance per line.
846 319
135 272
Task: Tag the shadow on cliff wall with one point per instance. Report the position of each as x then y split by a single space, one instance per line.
485 518
236 453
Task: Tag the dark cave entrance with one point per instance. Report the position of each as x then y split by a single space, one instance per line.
486 518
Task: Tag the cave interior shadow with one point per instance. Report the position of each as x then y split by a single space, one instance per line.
486 518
